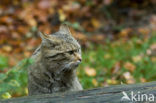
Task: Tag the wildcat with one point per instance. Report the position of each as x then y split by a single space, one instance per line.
55 63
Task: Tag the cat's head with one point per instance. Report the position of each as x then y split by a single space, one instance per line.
61 49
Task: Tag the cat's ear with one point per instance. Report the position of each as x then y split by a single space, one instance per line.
43 36
48 38
64 29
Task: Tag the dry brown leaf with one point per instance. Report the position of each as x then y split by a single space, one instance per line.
153 59
153 46
107 2
12 61
131 67
148 52
144 31
152 50
7 48
32 22
116 68
90 71
3 28
95 23
71 7
97 38
62 15
125 32
143 80
129 78
79 36
137 58
27 54
44 4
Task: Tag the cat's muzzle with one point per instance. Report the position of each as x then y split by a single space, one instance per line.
72 65
77 63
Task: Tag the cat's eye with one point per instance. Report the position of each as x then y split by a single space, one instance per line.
53 56
71 52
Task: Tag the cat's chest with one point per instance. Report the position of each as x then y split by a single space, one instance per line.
59 85
60 82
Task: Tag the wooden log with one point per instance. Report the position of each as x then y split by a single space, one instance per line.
112 94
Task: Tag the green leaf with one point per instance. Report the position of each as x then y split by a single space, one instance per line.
6 95
3 62
2 77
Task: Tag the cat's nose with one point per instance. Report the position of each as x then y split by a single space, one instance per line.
80 59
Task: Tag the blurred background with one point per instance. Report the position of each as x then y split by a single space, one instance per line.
118 39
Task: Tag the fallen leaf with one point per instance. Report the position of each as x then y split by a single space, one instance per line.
80 36
125 32
3 28
153 46
116 68
7 48
12 61
153 59
32 22
62 15
27 54
137 58
6 95
131 67
26 90
129 78
107 56
95 83
153 49
44 4
148 52
90 71
107 2
144 31
111 81
95 23
143 80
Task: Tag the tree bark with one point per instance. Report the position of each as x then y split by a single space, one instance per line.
112 94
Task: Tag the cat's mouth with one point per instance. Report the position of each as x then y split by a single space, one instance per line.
72 65
69 66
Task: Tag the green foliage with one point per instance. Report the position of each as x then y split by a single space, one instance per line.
103 60
3 62
14 81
